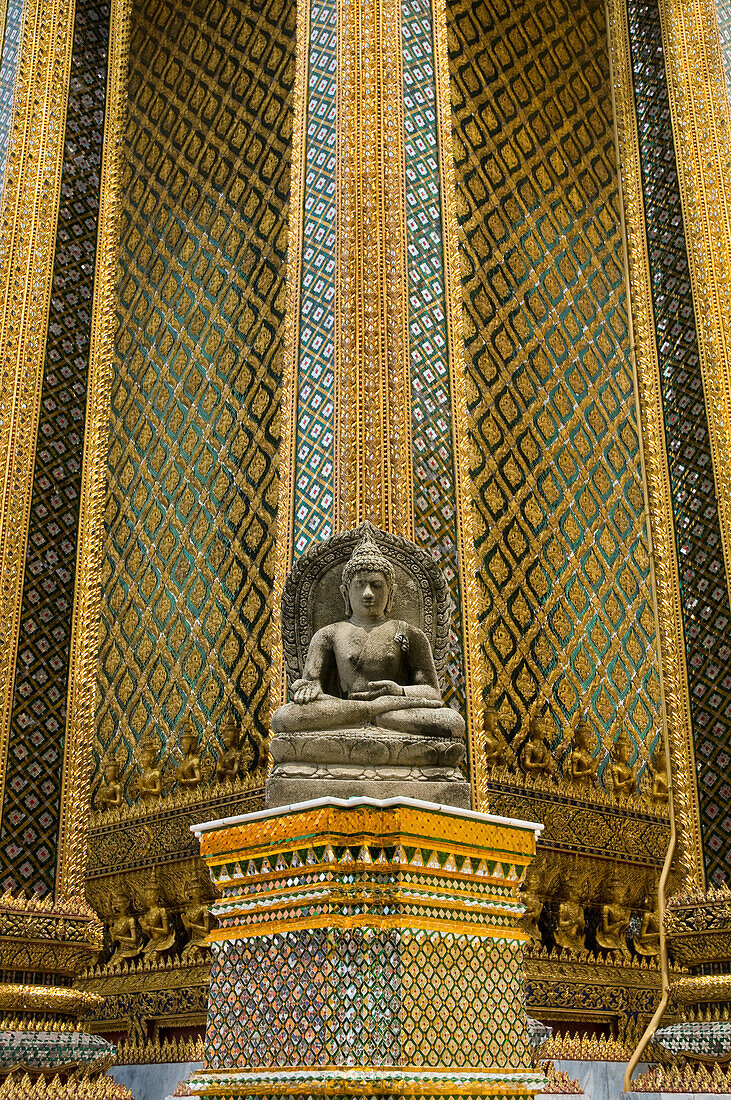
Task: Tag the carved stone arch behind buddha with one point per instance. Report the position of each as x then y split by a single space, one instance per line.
311 598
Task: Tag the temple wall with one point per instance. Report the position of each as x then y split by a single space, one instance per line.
558 503
191 475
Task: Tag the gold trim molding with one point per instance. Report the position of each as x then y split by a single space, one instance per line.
474 669
44 998
701 122
87 594
27 243
661 528
284 551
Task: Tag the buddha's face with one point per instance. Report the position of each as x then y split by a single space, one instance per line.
490 720
111 773
367 594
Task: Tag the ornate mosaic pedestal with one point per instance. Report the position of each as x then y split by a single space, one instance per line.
367 948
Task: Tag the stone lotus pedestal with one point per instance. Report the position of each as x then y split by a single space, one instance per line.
367 947
368 763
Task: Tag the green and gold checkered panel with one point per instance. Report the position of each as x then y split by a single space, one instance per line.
192 484
558 495
364 997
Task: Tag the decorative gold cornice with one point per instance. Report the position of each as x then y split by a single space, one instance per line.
44 998
84 648
701 122
672 666
28 219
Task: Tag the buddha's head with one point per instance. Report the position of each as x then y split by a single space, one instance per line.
368 582
111 771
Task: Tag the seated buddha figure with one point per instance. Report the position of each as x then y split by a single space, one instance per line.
368 670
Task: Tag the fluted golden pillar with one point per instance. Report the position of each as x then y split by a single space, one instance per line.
47 930
374 420
674 144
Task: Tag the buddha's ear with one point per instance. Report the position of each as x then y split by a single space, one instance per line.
346 601
389 601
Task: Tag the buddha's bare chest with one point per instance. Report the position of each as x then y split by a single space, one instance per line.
362 656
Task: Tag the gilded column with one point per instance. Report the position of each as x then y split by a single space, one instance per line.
673 139
374 420
54 348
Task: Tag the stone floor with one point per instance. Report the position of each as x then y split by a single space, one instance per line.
153 1082
599 1080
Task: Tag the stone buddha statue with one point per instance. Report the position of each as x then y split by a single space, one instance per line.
369 669
367 705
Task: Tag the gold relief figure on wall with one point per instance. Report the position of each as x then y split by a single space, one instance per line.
581 767
534 756
620 777
188 772
237 755
109 791
148 784
494 744
658 768
155 922
533 904
197 922
647 941
571 925
123 930
614 922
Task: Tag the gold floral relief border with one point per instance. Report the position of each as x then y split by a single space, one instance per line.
666 581
284 551
27 244
474 667
87 594
701 122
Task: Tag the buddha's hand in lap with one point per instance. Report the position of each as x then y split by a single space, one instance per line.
376 689
306 691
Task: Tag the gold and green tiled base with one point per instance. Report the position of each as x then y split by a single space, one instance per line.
367 948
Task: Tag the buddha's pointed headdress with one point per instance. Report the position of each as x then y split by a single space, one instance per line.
368 556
